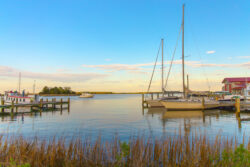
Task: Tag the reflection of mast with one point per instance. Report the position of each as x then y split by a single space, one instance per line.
19 84
34 87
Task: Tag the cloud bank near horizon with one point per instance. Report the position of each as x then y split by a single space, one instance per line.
59 76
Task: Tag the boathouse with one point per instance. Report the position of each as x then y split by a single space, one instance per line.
235 85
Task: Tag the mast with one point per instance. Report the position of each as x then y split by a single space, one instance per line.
162 69
187 82
34 87
183 70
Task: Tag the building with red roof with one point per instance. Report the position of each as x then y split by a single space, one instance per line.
235 85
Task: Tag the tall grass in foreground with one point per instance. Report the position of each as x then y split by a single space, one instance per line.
170 151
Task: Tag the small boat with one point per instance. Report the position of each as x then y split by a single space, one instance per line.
16 97
231 97
86 95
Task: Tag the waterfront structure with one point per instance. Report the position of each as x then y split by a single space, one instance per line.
247 91
235 85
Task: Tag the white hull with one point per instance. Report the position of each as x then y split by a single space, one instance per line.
154 103
87 96
188 105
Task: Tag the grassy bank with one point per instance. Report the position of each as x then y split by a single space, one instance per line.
177 151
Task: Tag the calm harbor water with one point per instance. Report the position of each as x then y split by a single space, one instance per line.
108 115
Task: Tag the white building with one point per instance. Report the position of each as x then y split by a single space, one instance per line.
247 91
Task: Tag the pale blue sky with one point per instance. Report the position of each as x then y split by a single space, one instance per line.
59 36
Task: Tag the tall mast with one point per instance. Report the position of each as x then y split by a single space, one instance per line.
34 87
19 84
183 70
162 69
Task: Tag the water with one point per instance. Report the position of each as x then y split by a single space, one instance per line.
108 115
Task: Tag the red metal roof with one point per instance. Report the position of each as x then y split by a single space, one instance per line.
237 88
240 79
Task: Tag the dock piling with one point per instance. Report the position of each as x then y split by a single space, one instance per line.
61 104
203 102
12 106
2 103
237 105
68 104
142 99
16 103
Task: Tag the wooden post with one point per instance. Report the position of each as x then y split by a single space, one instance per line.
47 100
203 103
237 105
152 96
41 104
52 105
142 100
12 106
55 103
16 103
158 95
2 103
61 104
68 104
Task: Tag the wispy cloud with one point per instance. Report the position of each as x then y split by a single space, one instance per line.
243 57
210 52
62 77
107 59
142 67
115 67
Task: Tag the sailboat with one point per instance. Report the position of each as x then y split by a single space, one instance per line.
156 102
184 103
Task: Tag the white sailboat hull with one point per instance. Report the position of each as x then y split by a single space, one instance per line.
154 103
188 105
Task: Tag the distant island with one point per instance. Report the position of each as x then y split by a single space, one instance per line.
57 91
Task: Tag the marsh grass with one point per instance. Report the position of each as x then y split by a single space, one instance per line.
176 151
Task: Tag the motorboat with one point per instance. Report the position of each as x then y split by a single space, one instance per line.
86 95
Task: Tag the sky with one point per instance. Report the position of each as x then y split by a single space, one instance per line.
111 45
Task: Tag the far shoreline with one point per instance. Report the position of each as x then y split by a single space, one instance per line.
79 93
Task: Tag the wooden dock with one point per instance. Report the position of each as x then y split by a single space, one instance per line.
42 105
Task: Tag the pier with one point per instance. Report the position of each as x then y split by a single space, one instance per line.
40 106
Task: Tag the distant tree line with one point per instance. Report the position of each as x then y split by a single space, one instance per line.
57 90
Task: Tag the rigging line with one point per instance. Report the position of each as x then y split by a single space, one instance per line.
202 65
173 57
154 67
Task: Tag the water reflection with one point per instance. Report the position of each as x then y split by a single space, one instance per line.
194 119
122 114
